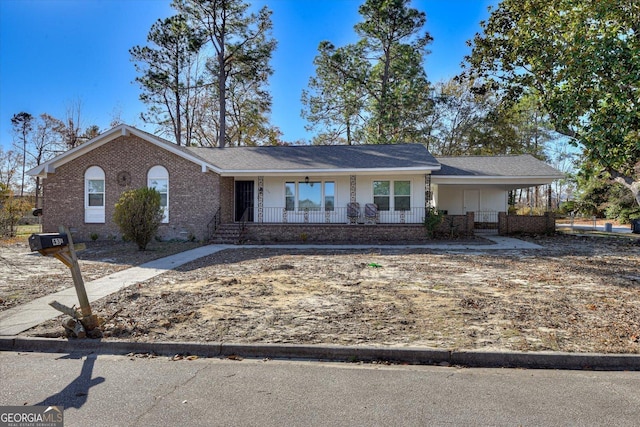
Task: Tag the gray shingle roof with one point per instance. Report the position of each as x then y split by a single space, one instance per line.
524 165
318 157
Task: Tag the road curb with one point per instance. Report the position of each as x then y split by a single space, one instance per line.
335 353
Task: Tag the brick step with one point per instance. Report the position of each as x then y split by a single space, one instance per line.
227 234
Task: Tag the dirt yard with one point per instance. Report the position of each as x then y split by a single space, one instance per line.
26 275
577 294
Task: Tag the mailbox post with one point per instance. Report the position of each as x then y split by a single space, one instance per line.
60 245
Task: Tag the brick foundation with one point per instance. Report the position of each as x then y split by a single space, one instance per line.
354 233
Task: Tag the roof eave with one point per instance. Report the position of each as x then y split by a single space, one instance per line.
329 171
519 179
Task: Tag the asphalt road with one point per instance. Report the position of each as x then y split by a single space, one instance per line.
136 391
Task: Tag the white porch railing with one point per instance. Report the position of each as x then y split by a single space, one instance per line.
279 215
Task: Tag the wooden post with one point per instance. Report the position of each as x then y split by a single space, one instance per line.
67 255
78 282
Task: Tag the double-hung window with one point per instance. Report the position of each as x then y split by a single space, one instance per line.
381 192
402 195
392 195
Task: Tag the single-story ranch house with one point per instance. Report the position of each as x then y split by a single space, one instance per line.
284 193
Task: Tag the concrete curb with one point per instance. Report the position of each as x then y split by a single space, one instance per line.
335 353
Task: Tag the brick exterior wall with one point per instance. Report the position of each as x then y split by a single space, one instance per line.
531 224
227 198
456 225
194 196
353 233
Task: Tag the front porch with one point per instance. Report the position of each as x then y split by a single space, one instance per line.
326 232
335 215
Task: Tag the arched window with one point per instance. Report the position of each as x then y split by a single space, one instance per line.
158 178
94 195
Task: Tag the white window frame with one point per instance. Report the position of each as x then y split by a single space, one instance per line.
392 193
323 196
160 173
94 214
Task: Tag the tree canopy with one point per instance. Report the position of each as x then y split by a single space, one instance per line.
580 60
376 89
169 76
241 46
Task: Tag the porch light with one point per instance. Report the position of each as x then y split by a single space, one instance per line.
306 179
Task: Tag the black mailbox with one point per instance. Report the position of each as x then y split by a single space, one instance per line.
41 241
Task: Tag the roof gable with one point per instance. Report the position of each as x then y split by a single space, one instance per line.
105 137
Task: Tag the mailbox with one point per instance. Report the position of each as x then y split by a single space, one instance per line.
41 241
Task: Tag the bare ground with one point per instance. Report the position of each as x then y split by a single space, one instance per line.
579 294
26 275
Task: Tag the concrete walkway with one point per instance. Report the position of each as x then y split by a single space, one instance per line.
21 318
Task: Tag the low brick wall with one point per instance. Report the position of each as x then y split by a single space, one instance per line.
456 226
533 224
355 233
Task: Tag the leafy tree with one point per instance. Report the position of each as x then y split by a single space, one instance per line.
384 73
22 126
242 47
138 214
580 59
468 121
9 165
11 210
335 102
91 132
170 76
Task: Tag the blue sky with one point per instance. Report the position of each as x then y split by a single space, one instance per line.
56 52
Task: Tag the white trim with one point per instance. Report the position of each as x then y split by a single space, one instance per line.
508 180
159 172
94 214
330 172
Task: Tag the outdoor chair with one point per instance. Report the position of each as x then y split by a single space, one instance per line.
353 212
371 213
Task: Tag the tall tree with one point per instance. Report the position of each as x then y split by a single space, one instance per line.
335 101
170 76
580 59
235 36
473 120
45 144
22 126
387 64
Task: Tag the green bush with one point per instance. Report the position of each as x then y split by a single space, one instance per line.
138 215
567 207
432 221
627 214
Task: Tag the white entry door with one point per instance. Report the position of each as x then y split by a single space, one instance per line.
471 201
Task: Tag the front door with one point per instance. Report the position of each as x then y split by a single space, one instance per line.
244 200
471 201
